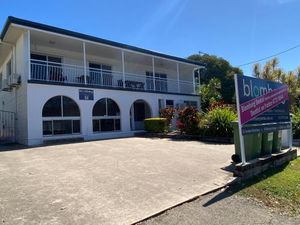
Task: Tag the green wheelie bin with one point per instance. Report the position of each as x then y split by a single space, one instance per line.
252 142
277 141
267 143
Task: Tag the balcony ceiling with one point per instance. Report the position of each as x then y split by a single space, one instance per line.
54 41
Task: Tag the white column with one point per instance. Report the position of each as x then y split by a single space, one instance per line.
84 62
153 72
178 81
194 86
28 55
123 68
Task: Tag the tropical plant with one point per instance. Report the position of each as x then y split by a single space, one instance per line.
188 120
296 123
217 122
210 93
168 113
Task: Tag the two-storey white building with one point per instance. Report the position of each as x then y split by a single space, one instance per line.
58 84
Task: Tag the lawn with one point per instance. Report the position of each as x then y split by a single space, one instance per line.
279 188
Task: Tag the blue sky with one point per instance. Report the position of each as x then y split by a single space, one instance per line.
237 30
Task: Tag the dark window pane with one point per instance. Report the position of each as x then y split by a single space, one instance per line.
96 126
117 124
8 68
169 103
70 108
107 125
100 108
38 57
112 108
105 67
76 126
62 126
54 59
52 107
94 65
47 127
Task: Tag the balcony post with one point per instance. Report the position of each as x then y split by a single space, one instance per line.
84 62
178 81
123 68
153 73
28 55
194 84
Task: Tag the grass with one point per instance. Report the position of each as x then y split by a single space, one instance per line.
278 188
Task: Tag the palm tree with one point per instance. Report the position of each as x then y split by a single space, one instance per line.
256 70
274 63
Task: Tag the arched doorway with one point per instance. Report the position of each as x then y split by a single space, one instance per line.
139 111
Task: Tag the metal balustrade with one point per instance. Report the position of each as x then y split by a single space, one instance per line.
74 74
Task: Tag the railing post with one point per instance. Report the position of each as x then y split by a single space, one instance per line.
178 82
123 68
153 73
84 62
28 55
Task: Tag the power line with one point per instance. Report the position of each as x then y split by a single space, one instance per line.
271 56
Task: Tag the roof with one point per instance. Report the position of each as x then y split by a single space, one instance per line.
13 20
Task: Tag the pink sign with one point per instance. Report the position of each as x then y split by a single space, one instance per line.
255 107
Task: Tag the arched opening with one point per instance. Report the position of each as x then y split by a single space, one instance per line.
61 115
139 111
106 116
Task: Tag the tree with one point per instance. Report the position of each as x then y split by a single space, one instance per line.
271 71
256 70
210 93
219 68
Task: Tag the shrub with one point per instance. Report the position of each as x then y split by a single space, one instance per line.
156 125
188 120
296 123
217 122
167 113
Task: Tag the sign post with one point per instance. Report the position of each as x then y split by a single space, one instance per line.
242 145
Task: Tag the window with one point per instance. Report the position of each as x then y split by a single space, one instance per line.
61 115
100 74
161 83
161 104
169 103
191 103
106 116
44 67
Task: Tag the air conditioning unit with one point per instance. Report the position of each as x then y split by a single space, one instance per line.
4 85
14 80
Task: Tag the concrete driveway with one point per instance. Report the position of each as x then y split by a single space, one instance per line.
118 181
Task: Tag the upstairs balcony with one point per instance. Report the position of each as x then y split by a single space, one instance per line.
60 73
63 60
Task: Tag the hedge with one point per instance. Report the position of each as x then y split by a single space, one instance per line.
156 125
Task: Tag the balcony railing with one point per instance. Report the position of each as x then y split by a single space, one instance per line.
73 74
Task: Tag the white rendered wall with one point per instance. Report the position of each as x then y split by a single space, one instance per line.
16 100
38 94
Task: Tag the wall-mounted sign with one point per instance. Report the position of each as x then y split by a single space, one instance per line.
85 94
